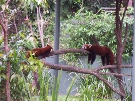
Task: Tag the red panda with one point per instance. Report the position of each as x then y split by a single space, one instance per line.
43 52
106 53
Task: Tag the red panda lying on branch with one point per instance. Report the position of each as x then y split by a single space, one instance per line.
43 52
106 54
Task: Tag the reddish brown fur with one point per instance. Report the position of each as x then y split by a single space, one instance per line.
105 53
44 52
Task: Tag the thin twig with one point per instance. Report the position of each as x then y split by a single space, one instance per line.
124 11
7 2
116 74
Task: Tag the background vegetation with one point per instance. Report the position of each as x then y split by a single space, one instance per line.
82 21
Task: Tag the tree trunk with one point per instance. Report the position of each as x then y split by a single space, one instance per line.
8 67
120 44
119 62
7 81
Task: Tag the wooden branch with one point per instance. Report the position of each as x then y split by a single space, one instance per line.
3 27
124 11
111 67
115 74
64 51
120 48
117 34
8 67
7 2
40 25
84 71
93 71
118 6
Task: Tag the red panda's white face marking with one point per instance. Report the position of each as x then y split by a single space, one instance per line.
89 45
86 46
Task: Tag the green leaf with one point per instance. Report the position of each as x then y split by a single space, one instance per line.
14 76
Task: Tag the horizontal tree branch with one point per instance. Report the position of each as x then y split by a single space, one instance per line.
93 71
65 51
84 71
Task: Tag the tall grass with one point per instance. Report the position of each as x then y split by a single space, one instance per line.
56 87
92 89
70 87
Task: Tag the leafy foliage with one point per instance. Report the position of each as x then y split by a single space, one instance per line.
22 78
77 30
85 26
92 88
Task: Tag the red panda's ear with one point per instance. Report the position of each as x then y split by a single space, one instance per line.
89 45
